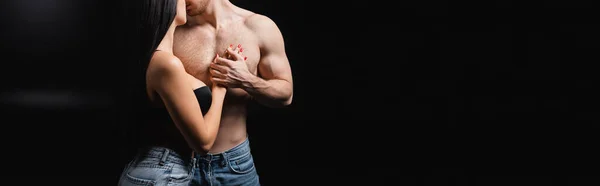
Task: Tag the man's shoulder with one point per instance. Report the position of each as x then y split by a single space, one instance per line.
260 23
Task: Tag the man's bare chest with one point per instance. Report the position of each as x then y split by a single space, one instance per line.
197 47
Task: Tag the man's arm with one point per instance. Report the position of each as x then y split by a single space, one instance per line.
274 86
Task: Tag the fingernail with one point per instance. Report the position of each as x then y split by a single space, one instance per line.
241 49
239 45
245 58
230 45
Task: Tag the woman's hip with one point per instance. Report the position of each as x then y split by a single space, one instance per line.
157 166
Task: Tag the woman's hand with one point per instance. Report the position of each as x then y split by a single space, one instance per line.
230 71
216 88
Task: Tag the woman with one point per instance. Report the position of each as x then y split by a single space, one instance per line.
183 114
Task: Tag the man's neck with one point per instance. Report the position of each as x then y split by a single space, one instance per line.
217 13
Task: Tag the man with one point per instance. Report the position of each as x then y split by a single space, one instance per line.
214 26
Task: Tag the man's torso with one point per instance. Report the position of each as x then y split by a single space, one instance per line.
197 46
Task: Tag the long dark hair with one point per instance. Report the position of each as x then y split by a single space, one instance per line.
153 19
156 16
150 20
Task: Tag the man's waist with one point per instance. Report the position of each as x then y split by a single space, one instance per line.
228 144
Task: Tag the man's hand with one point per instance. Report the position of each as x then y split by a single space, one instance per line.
232 71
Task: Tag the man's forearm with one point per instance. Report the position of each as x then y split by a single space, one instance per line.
272 93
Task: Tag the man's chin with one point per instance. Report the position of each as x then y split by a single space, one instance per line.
191 13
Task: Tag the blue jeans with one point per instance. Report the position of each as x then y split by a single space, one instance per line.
232 167
158 166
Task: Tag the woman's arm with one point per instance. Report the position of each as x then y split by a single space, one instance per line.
168 78
214 112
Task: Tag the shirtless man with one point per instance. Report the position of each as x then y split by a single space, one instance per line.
218 28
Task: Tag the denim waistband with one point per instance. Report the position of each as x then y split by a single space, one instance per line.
164 155
231 154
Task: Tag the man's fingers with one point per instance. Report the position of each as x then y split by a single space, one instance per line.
224 62
221 69
215 59
217 74
218 81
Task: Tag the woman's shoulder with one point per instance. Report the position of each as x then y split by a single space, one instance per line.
163 63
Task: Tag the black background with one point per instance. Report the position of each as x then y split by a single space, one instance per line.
413 93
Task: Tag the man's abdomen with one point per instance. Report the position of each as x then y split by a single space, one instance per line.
232 130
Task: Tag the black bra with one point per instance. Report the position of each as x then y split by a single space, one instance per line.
204 97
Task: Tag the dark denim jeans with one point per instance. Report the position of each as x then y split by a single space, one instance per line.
162 166
158 166
232 167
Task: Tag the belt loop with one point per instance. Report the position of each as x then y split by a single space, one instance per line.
224 163
163 159
194 160
193 163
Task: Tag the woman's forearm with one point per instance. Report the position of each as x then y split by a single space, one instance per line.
212 119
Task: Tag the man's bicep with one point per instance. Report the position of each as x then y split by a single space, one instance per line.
274 63
274 66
